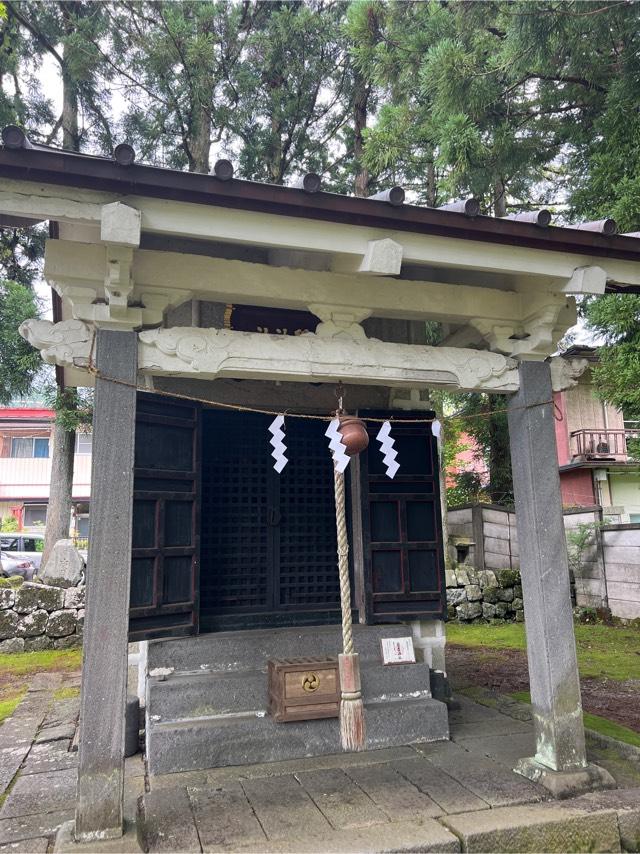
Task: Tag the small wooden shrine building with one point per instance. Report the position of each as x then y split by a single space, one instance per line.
179 292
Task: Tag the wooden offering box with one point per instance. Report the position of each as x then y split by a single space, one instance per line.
303 689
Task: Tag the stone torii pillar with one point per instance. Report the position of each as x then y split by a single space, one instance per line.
560 762
99 808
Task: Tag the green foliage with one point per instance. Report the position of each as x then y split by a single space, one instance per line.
9 704
27 663
12 582
616 319
579 540
73 407
603 651
19 362
596 723
8 524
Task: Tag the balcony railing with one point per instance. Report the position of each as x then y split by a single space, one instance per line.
604 444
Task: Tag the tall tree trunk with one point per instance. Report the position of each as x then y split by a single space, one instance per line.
499 197
201 146
432 190
361 99
70 130
59 510
64 441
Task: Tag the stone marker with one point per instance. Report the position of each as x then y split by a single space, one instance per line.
65 566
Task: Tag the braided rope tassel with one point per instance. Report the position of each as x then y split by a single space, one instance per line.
352 725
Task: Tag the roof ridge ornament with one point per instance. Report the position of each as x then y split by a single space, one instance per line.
541 218
394 196
469 207
608 227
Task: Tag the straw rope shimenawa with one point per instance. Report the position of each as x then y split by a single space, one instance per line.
352 726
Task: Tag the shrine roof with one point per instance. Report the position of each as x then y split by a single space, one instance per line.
49 165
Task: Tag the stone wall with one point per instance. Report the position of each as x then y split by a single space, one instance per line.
484 594
604 559
39 616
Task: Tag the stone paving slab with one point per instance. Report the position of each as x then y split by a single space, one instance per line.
491 725
392 793
340 800
487 779
215 776
167 823
50 756
418 836
549 827
284 808
448 793
16 736
506 751
626 803
56 733
33 794
32 826
224 818
38 845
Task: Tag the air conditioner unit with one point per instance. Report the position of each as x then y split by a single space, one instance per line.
603 448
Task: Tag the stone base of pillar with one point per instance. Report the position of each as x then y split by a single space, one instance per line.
565 784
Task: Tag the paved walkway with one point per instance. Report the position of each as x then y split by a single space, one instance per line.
459 795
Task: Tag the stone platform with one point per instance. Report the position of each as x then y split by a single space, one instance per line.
207 707
448 796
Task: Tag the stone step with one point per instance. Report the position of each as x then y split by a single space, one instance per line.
245 738
250 650
194 695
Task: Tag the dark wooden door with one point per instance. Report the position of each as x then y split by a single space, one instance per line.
268 540
165 530
402 527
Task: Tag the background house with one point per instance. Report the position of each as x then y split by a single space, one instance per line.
598 450
26 445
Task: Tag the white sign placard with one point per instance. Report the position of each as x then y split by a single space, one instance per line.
397 651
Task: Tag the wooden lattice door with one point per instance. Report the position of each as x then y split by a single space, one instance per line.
165 525
402 526
268 540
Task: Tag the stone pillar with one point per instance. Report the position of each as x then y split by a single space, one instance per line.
99 810
560 761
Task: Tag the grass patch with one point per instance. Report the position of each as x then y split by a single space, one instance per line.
66 693
603 651
23 663
8 704
595 722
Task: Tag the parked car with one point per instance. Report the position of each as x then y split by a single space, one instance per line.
11 565
23 546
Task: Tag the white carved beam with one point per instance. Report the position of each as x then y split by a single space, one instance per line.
586 280
382 258
225 281
213 353
565 373
536 336
120 224
185 219
67 343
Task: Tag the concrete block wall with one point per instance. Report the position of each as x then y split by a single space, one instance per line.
621 548
606 573
500 538
587 568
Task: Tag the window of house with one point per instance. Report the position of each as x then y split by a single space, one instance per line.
29 446
84 443
34 515
634 517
